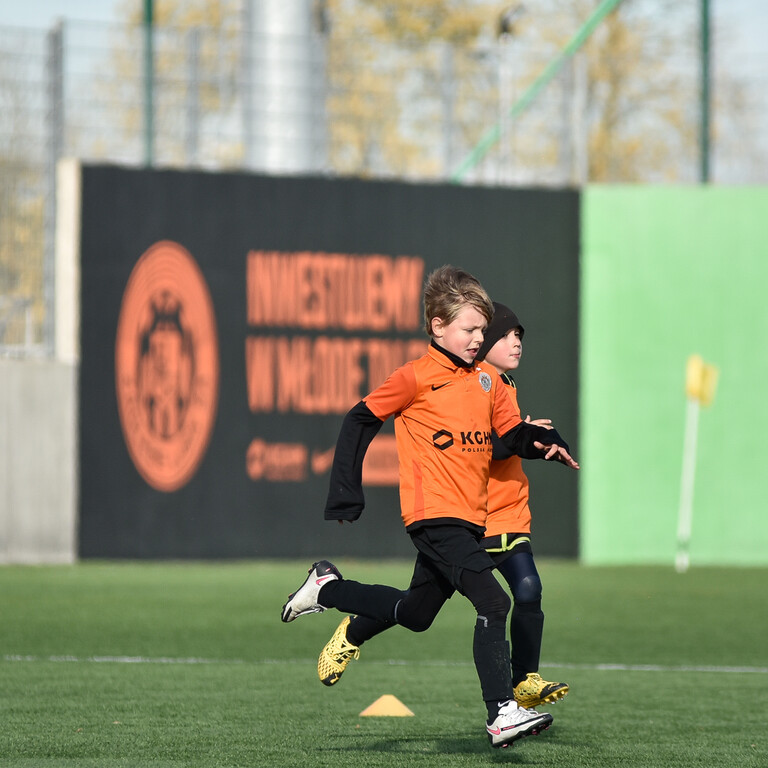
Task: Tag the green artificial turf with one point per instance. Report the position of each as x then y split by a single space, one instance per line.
107 665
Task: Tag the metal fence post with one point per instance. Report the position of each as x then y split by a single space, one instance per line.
192 131
706 96
448 99
579 122
149 80
56 127
246 83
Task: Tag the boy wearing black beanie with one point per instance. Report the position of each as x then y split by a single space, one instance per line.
508 526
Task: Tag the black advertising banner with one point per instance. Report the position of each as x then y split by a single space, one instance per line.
229 321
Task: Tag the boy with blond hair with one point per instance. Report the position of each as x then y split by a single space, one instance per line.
446 405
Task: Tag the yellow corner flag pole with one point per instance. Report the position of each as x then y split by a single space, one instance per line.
700 383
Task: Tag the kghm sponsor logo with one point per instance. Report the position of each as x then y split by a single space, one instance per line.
442 439
476 438
475 441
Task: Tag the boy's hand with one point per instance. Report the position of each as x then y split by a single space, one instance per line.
558 453
546 423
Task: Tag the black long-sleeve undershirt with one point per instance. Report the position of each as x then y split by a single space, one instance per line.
345 495
519 441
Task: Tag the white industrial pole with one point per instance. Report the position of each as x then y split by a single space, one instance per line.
286 126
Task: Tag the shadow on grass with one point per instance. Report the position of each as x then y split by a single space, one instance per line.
523 751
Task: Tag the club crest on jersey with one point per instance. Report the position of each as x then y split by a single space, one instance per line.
485 381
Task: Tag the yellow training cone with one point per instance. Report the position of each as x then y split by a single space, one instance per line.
387 706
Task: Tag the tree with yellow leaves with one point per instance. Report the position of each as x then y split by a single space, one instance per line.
410 87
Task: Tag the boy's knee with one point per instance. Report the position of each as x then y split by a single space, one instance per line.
415 621
528 589
495 609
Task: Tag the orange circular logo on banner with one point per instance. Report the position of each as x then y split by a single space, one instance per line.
167 366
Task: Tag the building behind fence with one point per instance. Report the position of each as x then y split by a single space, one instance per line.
287 101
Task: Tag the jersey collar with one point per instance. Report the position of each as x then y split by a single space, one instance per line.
444 356
508 380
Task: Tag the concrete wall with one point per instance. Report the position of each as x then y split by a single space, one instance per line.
38 414
37 462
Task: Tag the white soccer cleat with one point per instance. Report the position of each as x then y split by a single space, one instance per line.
304 599
514 722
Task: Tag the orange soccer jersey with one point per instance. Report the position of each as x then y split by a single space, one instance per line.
508 510
444 414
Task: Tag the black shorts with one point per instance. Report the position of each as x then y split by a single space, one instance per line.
445 551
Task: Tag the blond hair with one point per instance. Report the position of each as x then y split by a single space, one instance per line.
448 290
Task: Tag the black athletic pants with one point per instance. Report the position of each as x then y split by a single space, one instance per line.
526 626
450 559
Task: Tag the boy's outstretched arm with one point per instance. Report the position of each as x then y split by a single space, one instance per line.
345 494
558 453
531 441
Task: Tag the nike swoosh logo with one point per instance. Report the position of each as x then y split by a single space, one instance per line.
322 460
440 386
494 731
323 579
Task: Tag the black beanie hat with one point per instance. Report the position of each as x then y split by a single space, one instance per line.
504 320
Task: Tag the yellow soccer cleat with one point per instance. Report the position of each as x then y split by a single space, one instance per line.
534 691
338 652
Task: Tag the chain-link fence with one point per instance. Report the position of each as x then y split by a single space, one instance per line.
319 103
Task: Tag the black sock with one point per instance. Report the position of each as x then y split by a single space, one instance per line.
375 601
493 709
525 631
491 653
361 628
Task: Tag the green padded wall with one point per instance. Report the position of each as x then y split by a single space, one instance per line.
668 272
